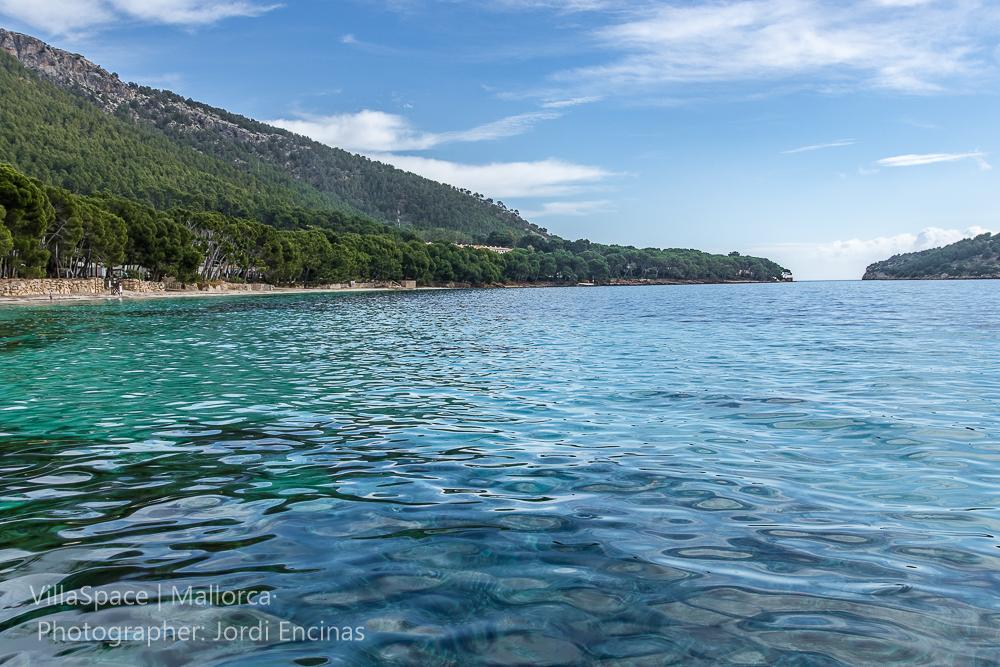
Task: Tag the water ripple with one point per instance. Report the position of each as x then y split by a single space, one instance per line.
758 474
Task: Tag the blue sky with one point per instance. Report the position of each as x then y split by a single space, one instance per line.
824 135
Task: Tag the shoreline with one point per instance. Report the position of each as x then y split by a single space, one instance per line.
938 278
67 299
64 299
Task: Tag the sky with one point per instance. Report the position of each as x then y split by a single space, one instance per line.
824 135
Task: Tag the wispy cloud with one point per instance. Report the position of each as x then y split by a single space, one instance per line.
847 259
569 208
570 102
903 3
190 12
66 16
378 131
558 5
168 80
817 147
561 6
353 41
505 127
57 16
921 159
540 178
383 136
901 45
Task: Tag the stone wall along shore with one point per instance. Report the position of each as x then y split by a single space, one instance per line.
28 287
215 287
41 287
53 286
133 285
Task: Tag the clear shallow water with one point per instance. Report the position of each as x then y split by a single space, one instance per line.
743 474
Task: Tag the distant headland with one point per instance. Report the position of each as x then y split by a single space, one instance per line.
973 258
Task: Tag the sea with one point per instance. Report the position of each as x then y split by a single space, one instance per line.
745 474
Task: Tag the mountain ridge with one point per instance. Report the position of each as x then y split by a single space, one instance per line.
376 189
149 182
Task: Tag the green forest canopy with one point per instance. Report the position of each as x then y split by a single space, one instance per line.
968 258
49 231
65 140
154 149
137 197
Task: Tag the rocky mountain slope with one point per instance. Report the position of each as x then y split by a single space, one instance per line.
60 138
376 189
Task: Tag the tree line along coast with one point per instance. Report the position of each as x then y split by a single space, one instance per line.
48 231
105 176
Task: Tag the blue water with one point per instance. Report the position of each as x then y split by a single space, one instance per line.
801 474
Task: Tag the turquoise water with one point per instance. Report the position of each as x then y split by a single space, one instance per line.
743 474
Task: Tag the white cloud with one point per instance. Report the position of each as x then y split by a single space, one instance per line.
900 45
569 208
562 6
540 178
383 136
381 132
189 12
558 5
570 102
366 130
505 127
816 147
65 16
353 41
921 159
58 16
903 3
847 260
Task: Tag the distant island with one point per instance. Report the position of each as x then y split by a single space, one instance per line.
100 176
977 257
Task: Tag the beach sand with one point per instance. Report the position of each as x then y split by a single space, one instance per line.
42 299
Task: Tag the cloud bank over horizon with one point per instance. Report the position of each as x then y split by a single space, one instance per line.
848 259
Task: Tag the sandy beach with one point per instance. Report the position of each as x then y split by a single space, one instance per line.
65 299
